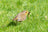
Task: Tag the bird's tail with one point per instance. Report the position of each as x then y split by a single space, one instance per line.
14 19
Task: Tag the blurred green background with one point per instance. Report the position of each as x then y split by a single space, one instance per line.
37 22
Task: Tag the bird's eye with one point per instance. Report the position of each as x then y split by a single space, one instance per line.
25 12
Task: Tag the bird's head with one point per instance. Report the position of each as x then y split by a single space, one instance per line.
25 12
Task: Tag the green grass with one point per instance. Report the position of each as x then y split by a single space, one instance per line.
37 22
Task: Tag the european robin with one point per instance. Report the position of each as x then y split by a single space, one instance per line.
21 16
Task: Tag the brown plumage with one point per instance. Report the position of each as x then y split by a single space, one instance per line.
21 16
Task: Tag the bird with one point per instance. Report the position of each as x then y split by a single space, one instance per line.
21 16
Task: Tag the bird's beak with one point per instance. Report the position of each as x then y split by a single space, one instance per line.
28 13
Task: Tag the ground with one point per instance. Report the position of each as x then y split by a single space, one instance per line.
37 22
